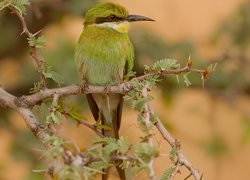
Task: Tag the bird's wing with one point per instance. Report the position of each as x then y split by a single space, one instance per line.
129 60
93 106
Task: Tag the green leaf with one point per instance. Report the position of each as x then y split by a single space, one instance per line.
54 151
173 155
99 165
123 145
145 151
167 173
37 42
54 117
69 172
140 103
136 169
109 148
103 140
20 5
162 64
142 125
49 73
36 88
54 76
153 117
129 75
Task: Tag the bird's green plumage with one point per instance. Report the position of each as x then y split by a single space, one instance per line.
103 55
104 10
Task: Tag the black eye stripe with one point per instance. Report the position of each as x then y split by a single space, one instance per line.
110 18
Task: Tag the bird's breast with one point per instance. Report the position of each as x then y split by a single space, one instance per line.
101 56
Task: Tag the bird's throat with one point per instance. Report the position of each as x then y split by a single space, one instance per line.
120 27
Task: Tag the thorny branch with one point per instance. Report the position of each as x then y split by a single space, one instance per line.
33 52
180 156
177 170
123 88
146 118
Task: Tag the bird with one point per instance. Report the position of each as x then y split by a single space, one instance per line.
104 56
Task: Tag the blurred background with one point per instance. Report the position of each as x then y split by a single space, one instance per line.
212 123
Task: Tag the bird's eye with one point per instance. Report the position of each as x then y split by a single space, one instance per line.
112 17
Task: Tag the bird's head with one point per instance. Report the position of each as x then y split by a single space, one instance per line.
111 15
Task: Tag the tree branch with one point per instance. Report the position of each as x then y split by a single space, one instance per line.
180 156
123 88
146 117
10 101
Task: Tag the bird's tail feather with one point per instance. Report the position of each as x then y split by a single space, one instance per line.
113 132
109 107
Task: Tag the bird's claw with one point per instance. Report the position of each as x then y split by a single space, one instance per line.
107 89
83 86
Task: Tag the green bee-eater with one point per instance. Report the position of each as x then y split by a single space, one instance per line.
104 55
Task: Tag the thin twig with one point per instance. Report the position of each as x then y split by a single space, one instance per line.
34 55
119 89
90 126
180 156
177 170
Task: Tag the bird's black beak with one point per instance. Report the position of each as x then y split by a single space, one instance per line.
134 18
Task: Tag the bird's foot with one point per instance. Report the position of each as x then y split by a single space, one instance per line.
107 89
83 86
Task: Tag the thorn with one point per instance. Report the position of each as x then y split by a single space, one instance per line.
37 32
177 144
189 62
22 32
205 74
83 86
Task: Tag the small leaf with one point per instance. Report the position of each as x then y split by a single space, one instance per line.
129 75
54 117
49 73
54 76
173 155
123 145
153 117
145 151
167 173
110 147
36 88
37 42
20 5
162 64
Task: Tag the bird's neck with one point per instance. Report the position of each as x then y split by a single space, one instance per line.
119 27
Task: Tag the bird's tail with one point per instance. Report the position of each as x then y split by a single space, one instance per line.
110 110
114 131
